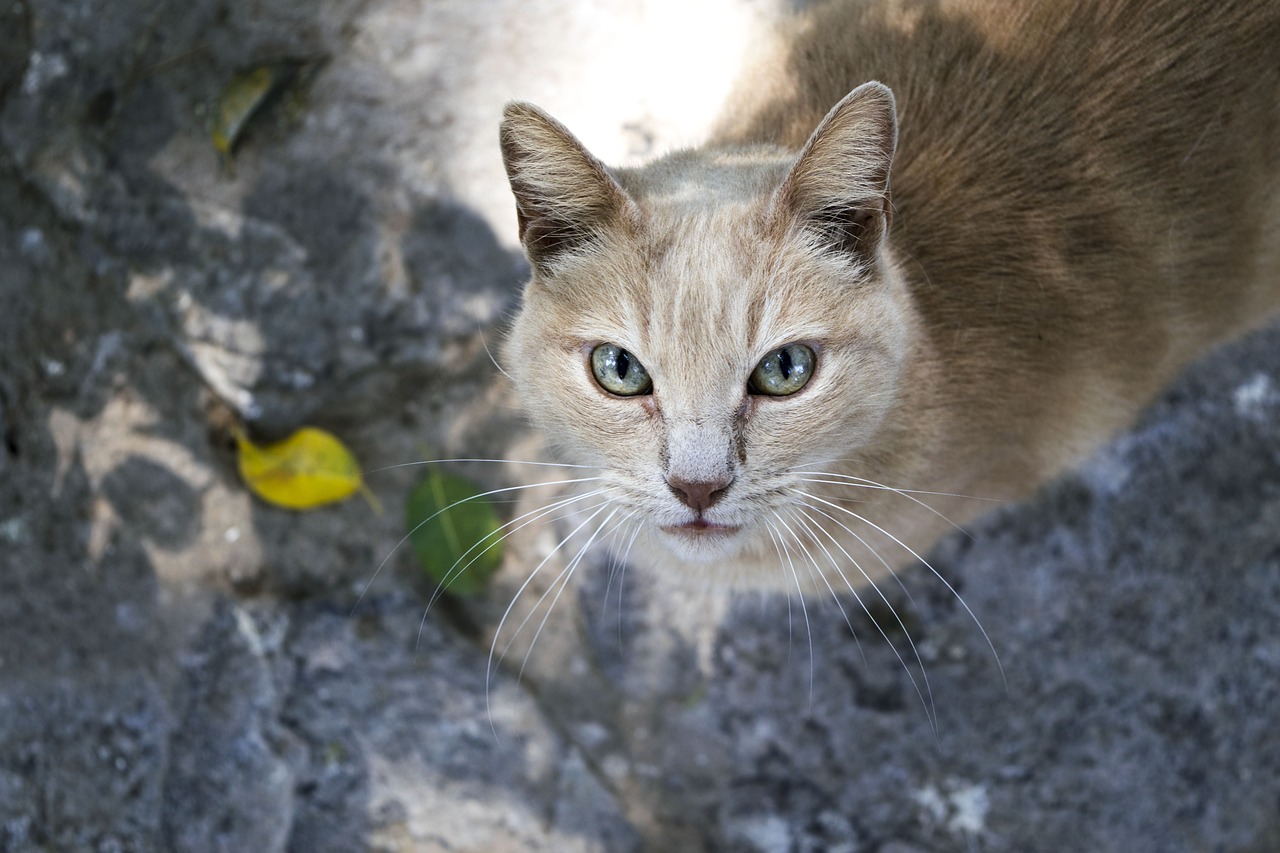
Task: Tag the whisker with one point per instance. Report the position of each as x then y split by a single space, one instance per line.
804 609
622 576
599 508
929 711
872 484
841 499
540 514
773 537
613 565
906 493
818 573
899 492
936 574
477 459
537 514
488 673
489 353
416 527
923 672
846 461
567 574
863 542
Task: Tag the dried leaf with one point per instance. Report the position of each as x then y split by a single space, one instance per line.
245 95
454 532
308 469
241 98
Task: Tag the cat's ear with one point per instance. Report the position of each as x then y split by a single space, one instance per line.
565 197
839 185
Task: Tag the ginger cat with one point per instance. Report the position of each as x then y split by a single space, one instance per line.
790 351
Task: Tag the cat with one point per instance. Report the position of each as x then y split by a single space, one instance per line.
800 354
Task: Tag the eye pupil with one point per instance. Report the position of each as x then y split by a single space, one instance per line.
783 372
784 362
619 372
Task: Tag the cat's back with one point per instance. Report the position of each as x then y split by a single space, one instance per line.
961 69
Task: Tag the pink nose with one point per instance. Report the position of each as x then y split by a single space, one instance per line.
699 495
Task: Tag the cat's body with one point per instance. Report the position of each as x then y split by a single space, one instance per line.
1083 197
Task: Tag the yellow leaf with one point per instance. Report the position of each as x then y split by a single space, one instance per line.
308 469
252 92
242 97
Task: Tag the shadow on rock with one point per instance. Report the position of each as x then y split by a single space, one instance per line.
154 501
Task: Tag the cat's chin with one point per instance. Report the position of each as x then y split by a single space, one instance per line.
701 542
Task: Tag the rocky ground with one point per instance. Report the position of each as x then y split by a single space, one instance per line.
183 668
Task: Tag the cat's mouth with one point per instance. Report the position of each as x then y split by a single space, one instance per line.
702 541
700 528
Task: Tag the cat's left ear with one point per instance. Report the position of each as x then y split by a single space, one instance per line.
839 185
565 197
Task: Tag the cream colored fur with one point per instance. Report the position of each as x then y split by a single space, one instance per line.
1000 252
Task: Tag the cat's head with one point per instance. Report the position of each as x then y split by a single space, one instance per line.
706 326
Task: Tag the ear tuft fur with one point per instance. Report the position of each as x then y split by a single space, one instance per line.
839 185
565 197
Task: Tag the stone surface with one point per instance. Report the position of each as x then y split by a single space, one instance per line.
183 668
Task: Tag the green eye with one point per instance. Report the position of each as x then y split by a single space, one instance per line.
619 372
783 371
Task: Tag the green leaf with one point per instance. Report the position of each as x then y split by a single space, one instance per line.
454 532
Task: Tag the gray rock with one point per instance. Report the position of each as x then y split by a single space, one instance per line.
183 668
282 288
231 772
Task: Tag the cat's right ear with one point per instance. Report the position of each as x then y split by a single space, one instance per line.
838 187
565 197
